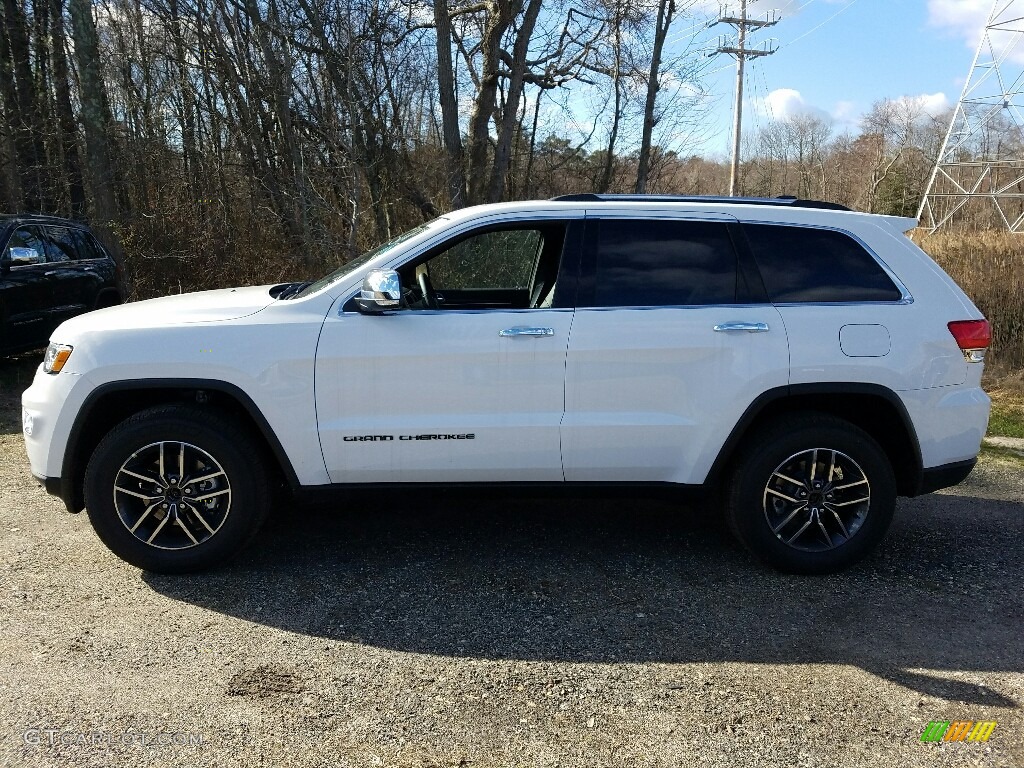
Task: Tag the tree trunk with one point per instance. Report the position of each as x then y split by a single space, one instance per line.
495 25
609 161
190 156
94 111
67 127
10 149
450 131
528 176
28 134
666 10
510 114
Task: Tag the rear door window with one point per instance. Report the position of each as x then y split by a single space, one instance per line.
660 262
808 265
64 244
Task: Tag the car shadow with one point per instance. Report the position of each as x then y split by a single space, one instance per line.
632 580
16 374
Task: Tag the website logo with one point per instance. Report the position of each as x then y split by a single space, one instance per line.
958 730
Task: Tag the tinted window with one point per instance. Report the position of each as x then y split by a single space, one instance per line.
656 263
800 264
25 247
64 244
90 248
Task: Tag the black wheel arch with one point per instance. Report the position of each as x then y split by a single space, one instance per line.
874 408
111 403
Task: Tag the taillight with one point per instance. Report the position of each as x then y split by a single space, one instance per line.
973 338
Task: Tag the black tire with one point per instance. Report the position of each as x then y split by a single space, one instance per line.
767 510
208 521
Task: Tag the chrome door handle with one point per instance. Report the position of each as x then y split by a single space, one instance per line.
748 327
50 273
520 331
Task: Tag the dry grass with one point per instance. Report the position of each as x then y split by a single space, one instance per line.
989 266
1007 393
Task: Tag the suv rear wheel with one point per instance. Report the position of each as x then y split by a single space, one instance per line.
176 489
811 494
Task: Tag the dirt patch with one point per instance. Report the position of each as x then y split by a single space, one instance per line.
264 682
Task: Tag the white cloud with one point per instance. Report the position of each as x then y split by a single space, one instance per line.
784 103
960 18
966 19
932 104
844 110
788 103
711 7
917 110
845 116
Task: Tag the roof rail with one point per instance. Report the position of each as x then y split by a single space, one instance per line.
42 217
793 202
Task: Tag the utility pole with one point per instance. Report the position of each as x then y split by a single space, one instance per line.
741 52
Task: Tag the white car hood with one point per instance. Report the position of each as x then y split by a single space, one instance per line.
201 307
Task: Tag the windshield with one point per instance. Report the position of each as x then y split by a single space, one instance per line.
359 261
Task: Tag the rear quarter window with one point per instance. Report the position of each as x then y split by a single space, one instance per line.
90 247
803 264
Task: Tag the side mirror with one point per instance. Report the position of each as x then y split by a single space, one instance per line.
382 291
20 257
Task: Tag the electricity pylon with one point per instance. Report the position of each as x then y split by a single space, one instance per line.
982 157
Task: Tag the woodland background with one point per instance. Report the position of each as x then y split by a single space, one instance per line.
224 142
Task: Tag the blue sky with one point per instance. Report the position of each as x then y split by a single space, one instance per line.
836 57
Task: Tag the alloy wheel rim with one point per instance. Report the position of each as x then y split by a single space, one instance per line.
817 500
172 495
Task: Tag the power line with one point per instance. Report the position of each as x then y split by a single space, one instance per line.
819 26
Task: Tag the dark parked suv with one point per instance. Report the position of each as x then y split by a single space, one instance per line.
50 269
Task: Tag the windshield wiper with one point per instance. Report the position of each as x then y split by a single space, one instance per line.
294 289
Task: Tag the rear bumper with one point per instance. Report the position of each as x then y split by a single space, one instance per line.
950 423
945 476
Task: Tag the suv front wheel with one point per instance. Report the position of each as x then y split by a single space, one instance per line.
811 494
176 489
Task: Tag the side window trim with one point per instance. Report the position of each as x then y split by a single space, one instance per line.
750 288
567 279
905 296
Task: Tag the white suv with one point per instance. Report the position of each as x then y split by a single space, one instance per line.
807 362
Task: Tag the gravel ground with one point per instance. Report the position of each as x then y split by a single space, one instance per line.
486 632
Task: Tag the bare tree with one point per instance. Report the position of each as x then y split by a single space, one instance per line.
24 110
666 13
94 110
452 134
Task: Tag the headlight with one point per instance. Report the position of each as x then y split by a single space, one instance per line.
56 356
